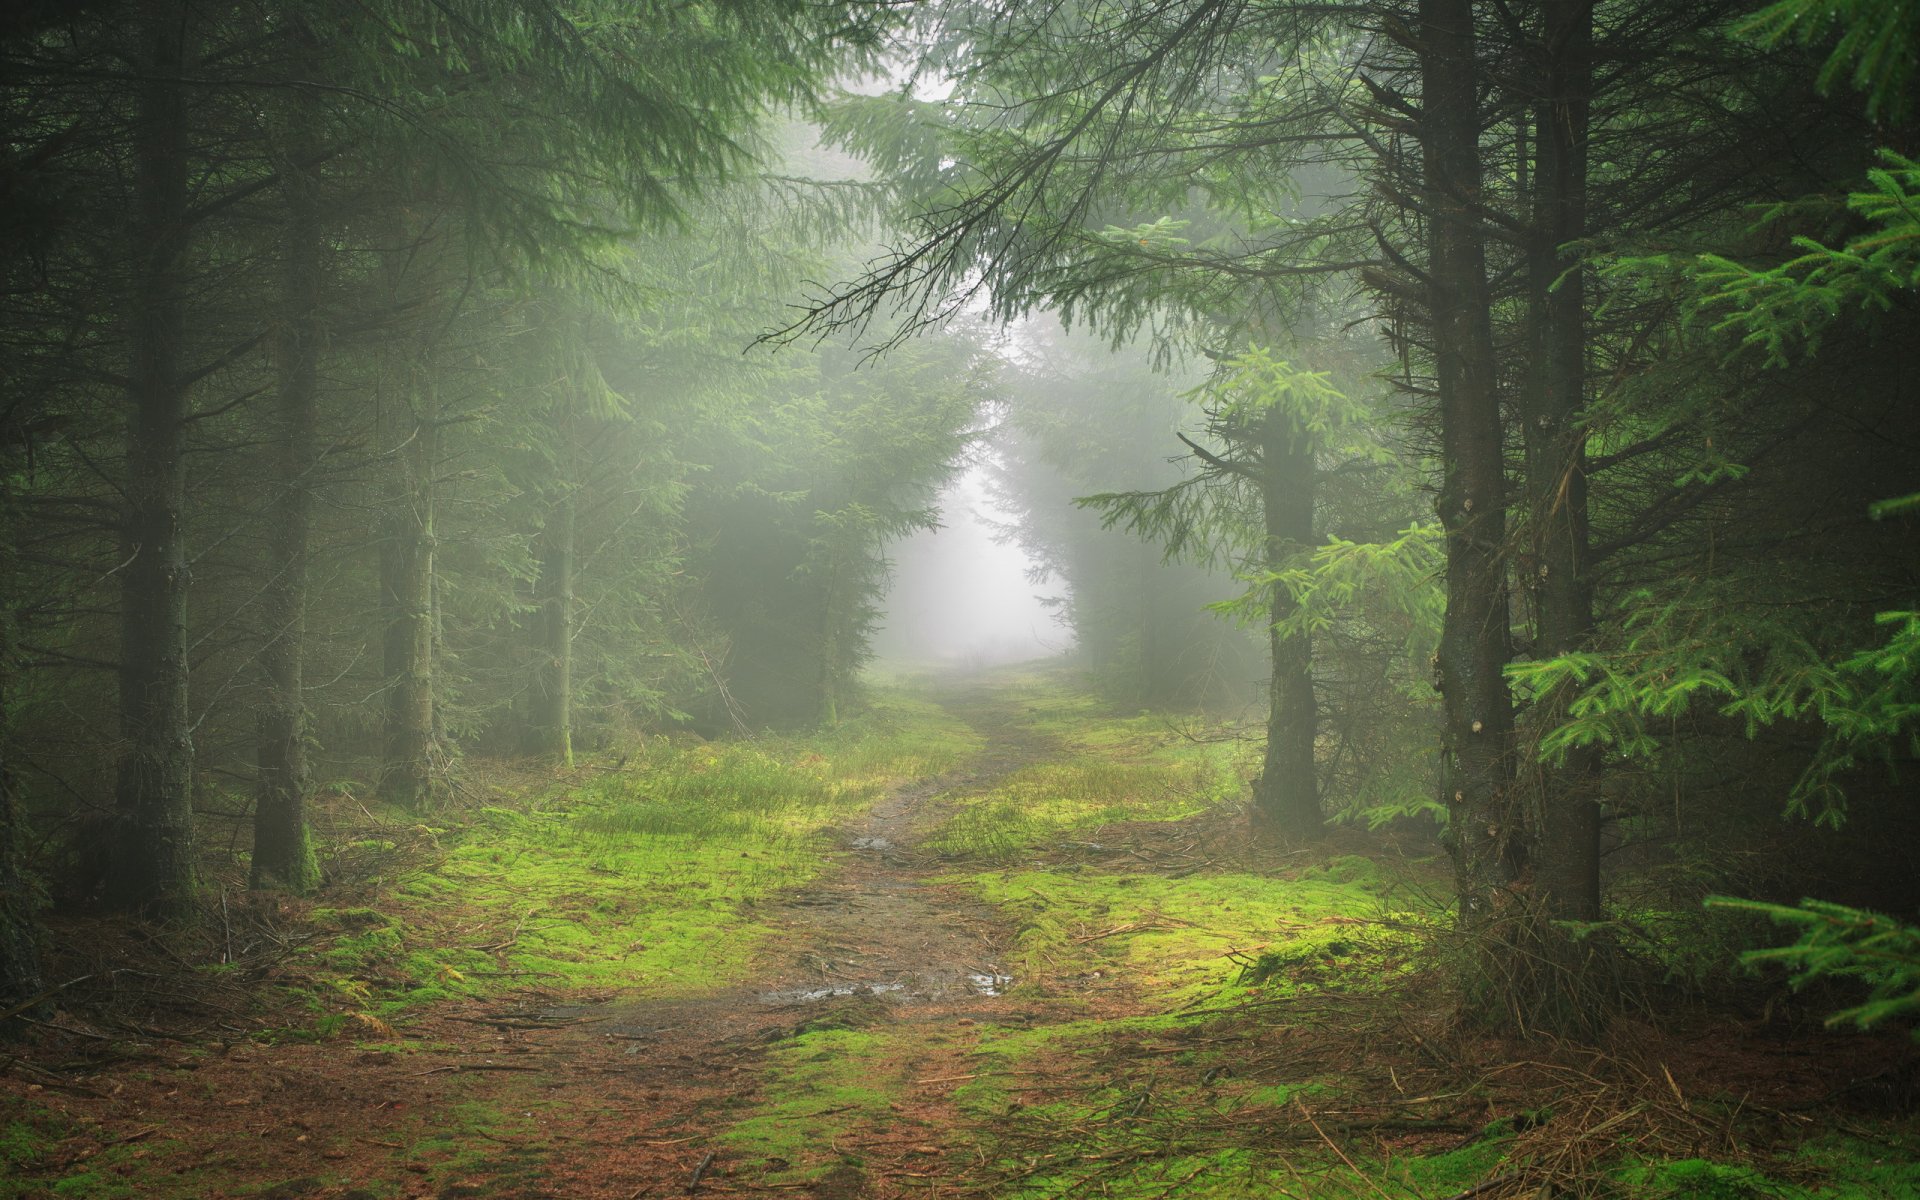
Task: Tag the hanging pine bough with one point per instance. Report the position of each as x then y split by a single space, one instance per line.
1838 943
1685 657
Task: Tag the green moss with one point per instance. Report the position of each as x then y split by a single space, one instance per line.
24 1141
1453 1171
1349 869
1856 1168
336 920
94 1185
1183 940
648 879
820 1086
1698 1179
1042 803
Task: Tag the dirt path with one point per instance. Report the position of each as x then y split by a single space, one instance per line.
874 942
540 1095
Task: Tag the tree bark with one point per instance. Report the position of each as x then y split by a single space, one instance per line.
406 595
282 843
553 683
1567 850
20 978
153 852
1475 642
1287 796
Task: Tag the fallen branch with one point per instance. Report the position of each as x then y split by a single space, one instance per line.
43 997
458 1068
699 1172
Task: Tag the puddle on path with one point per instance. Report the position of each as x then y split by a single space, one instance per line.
990 985
872 843
924 987
836 992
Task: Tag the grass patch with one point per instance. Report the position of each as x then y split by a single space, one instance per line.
1131 1108
26 1138
648 878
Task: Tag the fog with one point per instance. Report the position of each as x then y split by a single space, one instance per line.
963 596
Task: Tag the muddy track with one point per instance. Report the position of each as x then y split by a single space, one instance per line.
875 932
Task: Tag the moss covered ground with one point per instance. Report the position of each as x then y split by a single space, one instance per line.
561 989
649 875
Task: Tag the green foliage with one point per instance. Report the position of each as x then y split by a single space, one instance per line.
1676 655
1782 310
1874 52
1837 942
1257 380
1389 585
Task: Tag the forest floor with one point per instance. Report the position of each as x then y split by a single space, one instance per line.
999 942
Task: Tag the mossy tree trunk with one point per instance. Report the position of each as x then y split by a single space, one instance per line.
282 842
406 594
1287 795
154 869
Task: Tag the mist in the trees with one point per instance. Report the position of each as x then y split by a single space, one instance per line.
965 594
512 506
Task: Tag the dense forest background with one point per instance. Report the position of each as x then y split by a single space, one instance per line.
1515 402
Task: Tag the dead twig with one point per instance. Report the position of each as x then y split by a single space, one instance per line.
460 1068
699 1172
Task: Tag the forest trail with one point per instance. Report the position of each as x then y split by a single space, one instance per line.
873 943
1055 967
539 1092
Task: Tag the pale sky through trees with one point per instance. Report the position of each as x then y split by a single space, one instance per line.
960 596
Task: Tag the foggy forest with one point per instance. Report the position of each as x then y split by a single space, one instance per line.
858 599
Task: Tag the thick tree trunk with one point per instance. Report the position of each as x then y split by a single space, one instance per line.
282 845
1287 796
406 600
553 682
1475 641
1567 849
153 851
19 930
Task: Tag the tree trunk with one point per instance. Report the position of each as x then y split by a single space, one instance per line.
19 931
1475 642
1287 796
1567 850
153 851
282 844
827 700
406 595
553 683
